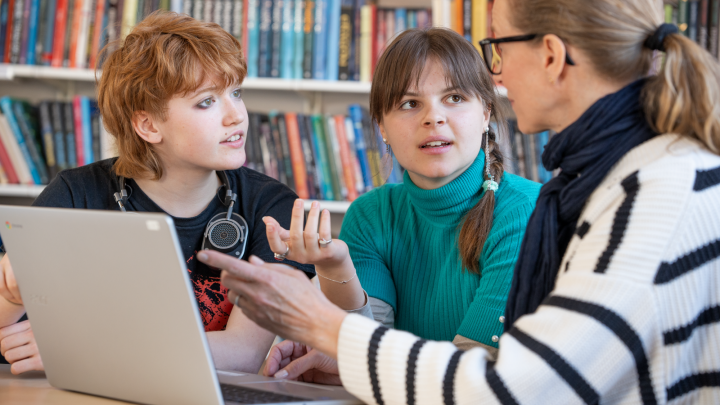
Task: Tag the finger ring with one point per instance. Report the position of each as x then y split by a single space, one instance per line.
237 298
324 242
280 257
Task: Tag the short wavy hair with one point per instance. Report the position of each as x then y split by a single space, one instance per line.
165 55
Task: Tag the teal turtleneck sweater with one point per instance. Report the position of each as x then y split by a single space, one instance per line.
403 241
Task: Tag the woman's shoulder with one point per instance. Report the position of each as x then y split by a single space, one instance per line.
516 191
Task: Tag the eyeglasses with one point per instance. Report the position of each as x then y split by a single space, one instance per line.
493 56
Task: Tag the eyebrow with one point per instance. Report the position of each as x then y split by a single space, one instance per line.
446 90
205 89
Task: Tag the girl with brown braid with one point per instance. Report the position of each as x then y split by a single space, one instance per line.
435 254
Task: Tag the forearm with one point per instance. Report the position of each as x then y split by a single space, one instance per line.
240 349
348 295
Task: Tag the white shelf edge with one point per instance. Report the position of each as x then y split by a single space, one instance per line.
21 190
10 72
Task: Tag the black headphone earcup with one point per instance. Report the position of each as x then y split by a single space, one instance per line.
226 235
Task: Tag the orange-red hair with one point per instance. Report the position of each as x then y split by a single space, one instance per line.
165 55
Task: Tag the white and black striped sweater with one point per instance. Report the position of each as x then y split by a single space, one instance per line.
634 316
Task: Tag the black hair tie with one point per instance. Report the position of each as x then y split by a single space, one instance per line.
656 40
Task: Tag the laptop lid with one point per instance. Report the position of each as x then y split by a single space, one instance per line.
111 306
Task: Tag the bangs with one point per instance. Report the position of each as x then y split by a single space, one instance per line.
401 66
224 71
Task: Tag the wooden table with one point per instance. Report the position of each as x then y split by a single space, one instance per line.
33 388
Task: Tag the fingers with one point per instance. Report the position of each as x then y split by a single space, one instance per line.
276 242
14 328
299 366
280 355
14 341
324 229
310 235
284 233
33 363
297 244
21 352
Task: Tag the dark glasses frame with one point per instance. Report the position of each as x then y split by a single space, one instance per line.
487 43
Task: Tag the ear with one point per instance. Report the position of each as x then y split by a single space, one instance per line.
382 132
144 125
554 53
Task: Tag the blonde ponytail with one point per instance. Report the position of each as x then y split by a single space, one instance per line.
684 98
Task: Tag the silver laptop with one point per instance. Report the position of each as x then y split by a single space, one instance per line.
114 313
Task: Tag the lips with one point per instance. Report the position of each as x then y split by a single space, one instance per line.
435 144
234 137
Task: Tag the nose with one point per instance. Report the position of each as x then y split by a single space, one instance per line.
234 112
435 116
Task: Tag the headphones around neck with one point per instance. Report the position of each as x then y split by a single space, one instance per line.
226 232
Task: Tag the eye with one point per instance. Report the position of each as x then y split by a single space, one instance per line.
410 104
206 103
237 93
455 99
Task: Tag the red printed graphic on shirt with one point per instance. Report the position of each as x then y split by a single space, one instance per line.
212 300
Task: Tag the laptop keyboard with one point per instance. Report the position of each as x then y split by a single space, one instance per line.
244 395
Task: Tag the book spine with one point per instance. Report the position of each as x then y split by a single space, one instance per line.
10 15
33 32
48 139
95 131
253 46
357 172
238 25
45 58
265 36
177 6
287 160
69 121
345 40
320 40
703 24
288 39
308 36
401 20
187 7
3 27
333 147
389 27
467 19
87 137
6 161
683 16
693 20
346 163
714 25
207 10
371 148
323 157
299 40
276 152
305 130
17 31
333 36
218 10
77 21
356 115
81 57
227 16
129 14
197 11
97 34
59 135
479 22
276 33
16 155
59 36
6 105
79 135
25 32
355 48
296 155
365 46
26 118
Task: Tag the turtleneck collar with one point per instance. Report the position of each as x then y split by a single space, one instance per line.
448 204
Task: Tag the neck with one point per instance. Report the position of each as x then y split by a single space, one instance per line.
182 193
582 91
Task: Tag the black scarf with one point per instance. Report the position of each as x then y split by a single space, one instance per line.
590 146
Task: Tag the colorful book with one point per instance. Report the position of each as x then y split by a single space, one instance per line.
703 24
322 157
308 39
714 23
34 22
87 136
237 23
299 39
333 152
79 135
97 33
17 31
70 143
333 39
128 17
6 162
46 129
25 31
265 38
693 9
58 135
296 156
285 148
355 53
276 37
45 58
276 147
346 162
59 34
288 39
320 40
350 133
683 16
360 148
6 104
9 6
305 129
345 50
479 22
15 154
26 117
365 42
253 35
3 27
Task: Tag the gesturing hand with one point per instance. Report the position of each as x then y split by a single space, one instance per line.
314 244
17 345
295 361
280 299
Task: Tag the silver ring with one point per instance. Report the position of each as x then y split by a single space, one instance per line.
237 297
280 257
324 242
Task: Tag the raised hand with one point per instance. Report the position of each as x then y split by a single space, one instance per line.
295 361
17 345
313 244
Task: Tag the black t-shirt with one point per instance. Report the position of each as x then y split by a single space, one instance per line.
92 187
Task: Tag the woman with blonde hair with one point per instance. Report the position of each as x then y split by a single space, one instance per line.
616 294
